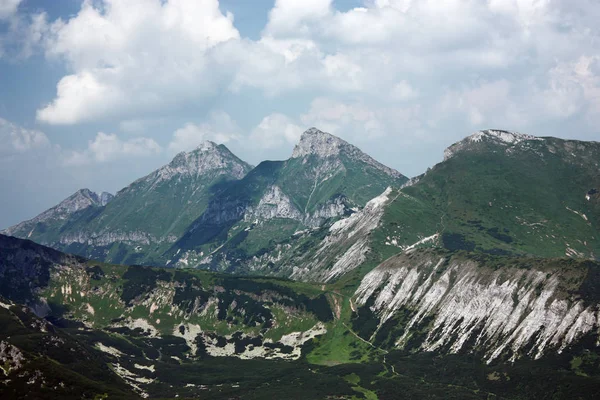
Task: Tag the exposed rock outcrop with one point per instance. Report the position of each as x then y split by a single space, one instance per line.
467 305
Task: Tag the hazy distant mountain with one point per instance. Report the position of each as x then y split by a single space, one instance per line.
58 216
143 219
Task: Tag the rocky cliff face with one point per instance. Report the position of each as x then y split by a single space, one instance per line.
324 145
345 246
496 307
116 236
273 204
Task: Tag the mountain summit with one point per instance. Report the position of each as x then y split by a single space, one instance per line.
59 214
481 139
315 142
318 143
208 159
506 193
208 156
144 218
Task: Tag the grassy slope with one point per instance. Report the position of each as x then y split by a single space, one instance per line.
502 203
149 207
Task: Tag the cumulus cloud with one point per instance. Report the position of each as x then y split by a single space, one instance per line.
137 126
16 139
108 147
135 57
574 87
356 121
8 8
220 128
22 34
274 131
421 63
293 17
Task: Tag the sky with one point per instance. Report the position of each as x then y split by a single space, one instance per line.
97 93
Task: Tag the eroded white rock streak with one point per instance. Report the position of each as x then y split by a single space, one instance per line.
501 312
348 237
273 204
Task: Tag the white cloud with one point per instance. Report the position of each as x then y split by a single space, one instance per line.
108 147
8 8
292 16
135 57
362 123
82 97
403 91
344 119
480 104
574 87
138 126
220 128
22 35
16 139
275 130
511 63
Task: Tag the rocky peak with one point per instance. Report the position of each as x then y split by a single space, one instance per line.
81 199
501 136
204 149
208 157
105 198
494 136
322 144
207 146
319 143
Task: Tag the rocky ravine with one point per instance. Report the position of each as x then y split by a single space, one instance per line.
345 246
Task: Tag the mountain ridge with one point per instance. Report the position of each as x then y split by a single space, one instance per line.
325 178
173 194
80 200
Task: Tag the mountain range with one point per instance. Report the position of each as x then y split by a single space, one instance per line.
328 272
198 202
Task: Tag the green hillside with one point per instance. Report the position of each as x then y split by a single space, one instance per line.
533 196
145 218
